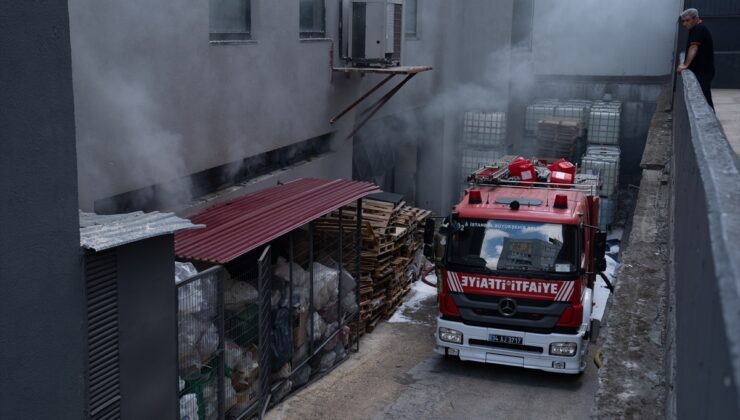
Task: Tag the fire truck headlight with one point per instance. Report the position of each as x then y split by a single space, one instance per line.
450 335
563 349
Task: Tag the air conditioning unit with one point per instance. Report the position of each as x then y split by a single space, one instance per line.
372 32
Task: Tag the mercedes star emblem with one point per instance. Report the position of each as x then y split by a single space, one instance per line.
507 307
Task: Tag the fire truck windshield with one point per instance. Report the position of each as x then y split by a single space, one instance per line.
514 246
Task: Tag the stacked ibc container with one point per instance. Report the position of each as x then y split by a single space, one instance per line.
602 154
484 140
571 112
604 161
539 110
603 122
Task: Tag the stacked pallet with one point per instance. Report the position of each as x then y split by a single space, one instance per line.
391 237
558 137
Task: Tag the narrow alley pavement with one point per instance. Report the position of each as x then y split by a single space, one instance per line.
396 375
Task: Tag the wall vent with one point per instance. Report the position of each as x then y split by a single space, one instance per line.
104 390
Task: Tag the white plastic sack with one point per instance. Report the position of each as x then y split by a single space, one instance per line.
319 327
236 357
208 343
281 270
238 294
325 281
189 407
190 331
184 271
348 283
349 303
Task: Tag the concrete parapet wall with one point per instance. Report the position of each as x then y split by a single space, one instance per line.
634 343
706 260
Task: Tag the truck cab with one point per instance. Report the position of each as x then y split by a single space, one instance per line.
516 265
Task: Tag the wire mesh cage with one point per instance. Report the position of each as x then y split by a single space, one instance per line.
484 128
200 343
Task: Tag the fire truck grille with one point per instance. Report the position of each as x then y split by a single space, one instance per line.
521 347
528 314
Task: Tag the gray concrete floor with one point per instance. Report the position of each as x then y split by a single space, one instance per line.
727 107
396 375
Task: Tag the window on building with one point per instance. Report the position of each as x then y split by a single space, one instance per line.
410 17
230 20
312 21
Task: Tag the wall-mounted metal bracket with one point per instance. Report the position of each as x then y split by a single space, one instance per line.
390 72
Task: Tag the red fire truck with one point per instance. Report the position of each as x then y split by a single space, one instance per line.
516 262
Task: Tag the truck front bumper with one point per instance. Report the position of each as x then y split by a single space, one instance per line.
534 353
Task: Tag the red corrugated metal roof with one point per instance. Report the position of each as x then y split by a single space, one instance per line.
237 227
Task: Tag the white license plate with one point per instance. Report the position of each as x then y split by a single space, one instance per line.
504 339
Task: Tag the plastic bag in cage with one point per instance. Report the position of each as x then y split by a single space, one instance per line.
238 294
275 298
329 311
349 303
210 400
344 335
330 328
236 357
325 285
190 331
348 282
340 351
319 327
331 344
302 376
327 361
189 407
281 270
282 373
282 338
184 271
208 343
300 354
229 395
282 390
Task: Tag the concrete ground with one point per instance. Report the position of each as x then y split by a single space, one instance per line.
727 107
396 375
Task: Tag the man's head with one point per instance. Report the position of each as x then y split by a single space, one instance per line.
689 18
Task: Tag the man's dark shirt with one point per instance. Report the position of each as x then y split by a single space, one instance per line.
703 63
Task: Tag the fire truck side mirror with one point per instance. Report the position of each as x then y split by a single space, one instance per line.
600 251
429 230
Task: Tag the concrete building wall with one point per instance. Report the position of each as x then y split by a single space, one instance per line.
706 260
42 304
594 37
157 101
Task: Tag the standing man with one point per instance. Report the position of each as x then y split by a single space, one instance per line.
699 52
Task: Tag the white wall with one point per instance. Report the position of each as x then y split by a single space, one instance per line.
604 38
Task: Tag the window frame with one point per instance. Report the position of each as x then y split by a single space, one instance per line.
232 37
313 34
417 33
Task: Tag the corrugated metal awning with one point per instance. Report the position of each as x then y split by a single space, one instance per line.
235 228
100 232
